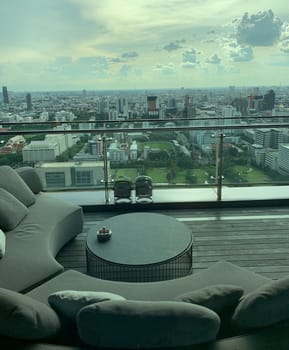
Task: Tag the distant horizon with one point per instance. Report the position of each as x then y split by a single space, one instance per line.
84 90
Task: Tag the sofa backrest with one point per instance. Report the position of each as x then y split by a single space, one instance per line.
32 179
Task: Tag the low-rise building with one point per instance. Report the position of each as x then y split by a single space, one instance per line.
71 174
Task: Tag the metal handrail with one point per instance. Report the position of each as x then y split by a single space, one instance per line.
105 131
143 129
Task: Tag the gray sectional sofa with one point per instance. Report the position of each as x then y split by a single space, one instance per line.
224 307
171 323
36 227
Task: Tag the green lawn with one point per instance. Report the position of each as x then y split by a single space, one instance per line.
159 175
126 172
201 176
164 146
251 174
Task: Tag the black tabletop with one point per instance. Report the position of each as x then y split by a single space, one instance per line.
140 238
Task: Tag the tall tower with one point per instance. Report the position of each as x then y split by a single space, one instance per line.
29 102
5 95
153 110
188 107
122 107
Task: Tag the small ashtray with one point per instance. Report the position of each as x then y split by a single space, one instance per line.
103 234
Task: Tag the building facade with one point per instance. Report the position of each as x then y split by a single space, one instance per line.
64 175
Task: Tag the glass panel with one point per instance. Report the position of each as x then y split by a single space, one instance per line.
205 154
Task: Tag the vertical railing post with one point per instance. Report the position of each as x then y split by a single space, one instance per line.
219 165
105 169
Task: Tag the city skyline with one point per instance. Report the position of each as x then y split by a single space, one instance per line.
89 44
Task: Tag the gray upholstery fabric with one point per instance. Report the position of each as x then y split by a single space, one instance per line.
267 305
217 298
2 244
221 298
220 273
145 324
12 211
274 337
13 183
22 317
31 178
49 225
69 302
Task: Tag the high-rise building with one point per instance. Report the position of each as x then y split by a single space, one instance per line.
188 111
269 100
95 147
269 138
153 110
122 107
5 95
283 156
29 102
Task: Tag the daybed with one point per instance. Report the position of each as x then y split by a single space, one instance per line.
224 307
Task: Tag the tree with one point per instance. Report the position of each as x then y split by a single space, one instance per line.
169 176
185 162
162 136
190 177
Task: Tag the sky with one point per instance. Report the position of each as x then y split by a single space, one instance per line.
143 44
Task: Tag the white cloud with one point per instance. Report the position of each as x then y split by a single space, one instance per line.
214 59
172 46
235 51
166 69
260 29
128 55
81 40
242 54
125 70
190 58
284 38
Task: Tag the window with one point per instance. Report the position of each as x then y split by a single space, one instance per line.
55 179
83 178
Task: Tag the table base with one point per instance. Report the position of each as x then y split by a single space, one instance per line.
176 267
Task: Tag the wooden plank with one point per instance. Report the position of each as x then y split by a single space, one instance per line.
260 244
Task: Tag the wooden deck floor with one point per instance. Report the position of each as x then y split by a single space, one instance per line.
256 238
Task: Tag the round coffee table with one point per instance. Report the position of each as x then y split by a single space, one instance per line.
143 247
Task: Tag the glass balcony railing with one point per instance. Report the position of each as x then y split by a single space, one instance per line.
179 160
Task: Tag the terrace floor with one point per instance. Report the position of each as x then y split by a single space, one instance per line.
255 237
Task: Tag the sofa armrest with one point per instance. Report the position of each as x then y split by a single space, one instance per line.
31 178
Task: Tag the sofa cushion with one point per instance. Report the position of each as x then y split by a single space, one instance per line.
49 225
13 183
221 298
2 244
265 306
22 317
12 211
217 298
221 272
31 178
145 324
69 302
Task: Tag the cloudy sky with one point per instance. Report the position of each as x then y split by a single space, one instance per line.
131 44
